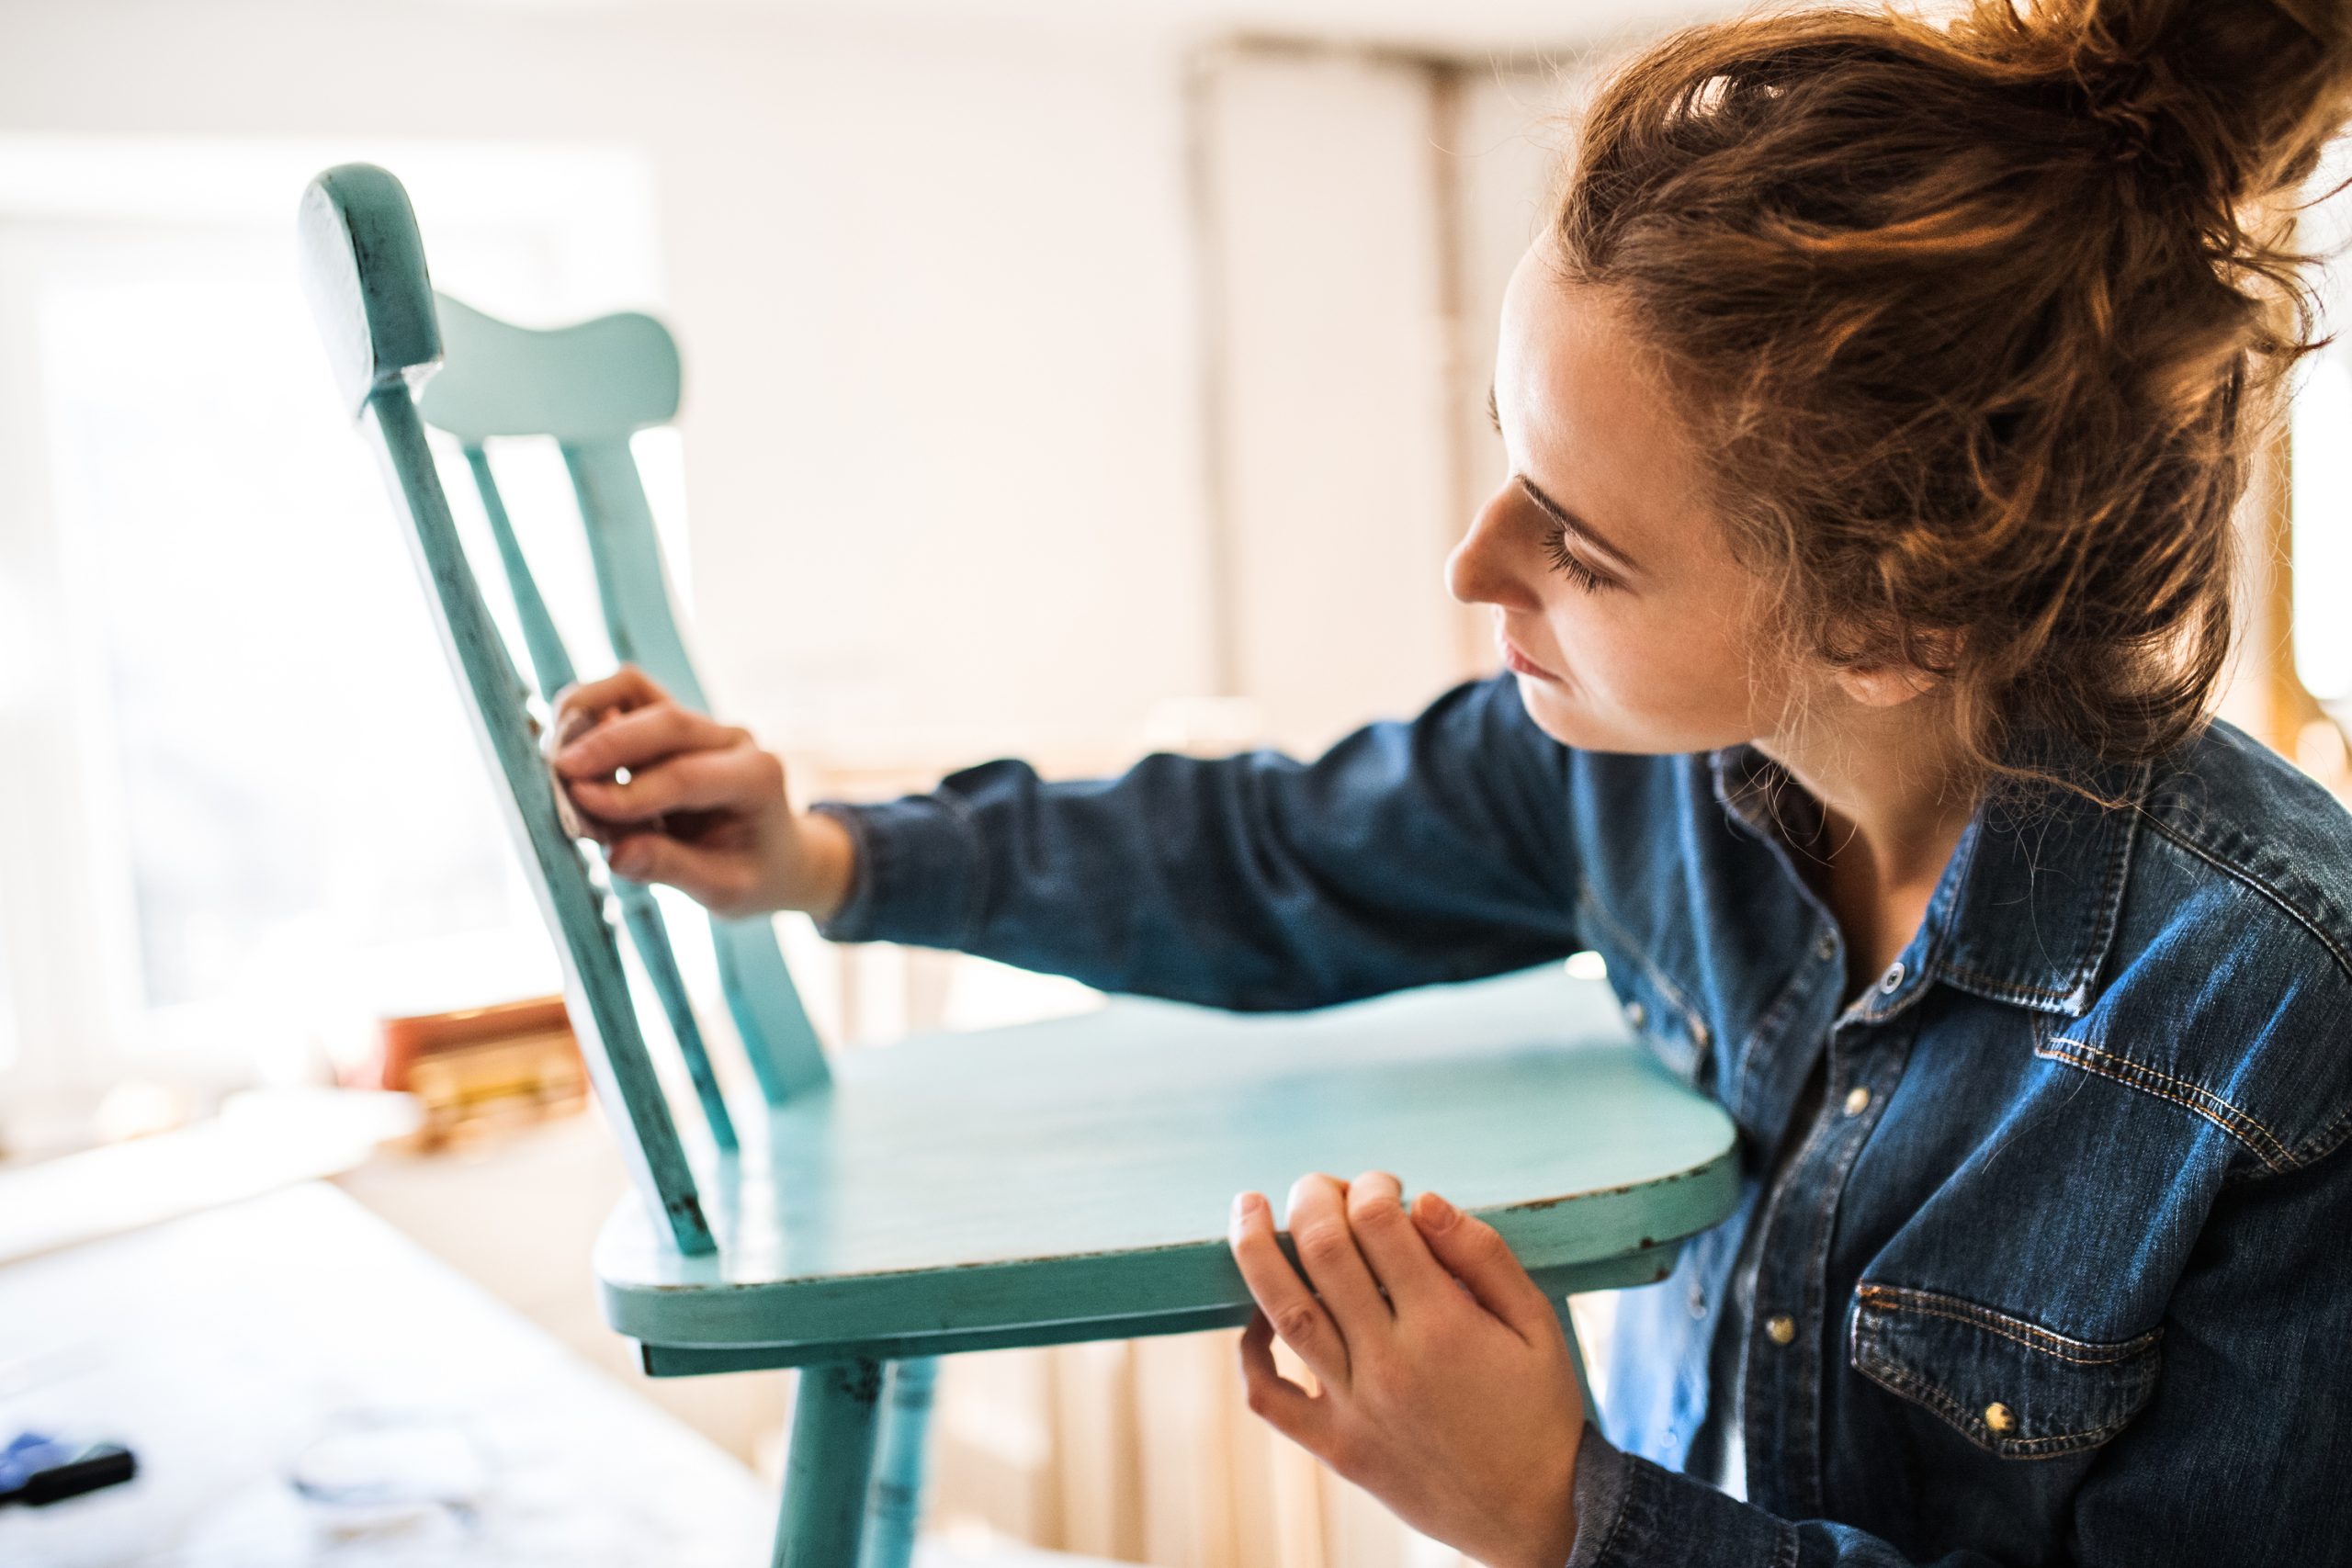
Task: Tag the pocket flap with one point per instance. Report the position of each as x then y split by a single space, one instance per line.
2012 1386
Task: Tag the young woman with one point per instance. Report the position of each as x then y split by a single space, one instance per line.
1875 406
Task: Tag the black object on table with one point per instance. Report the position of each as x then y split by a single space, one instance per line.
36 1468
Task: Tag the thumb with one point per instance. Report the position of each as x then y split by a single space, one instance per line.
1474 1253
714 878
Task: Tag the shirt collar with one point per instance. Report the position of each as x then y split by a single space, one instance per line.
2026 909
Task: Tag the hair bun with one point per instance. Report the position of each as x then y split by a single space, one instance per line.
2237 95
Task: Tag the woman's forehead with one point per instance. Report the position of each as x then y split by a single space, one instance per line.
1590 419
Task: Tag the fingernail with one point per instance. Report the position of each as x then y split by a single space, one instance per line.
1438 1212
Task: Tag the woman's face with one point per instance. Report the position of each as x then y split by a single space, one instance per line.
1617 603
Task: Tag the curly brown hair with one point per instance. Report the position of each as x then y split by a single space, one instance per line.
1978 322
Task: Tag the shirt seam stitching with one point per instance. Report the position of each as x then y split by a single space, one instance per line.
2253 880
1935 1304
2201 1102
1940 1400
1693 1020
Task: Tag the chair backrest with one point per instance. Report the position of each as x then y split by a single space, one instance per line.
589 388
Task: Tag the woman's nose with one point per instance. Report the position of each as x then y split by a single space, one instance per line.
1482 569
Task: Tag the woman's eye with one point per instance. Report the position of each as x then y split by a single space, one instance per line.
1565 562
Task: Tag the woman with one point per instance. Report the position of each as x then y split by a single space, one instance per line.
1875 407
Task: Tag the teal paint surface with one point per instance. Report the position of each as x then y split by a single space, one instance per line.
895 1502
760 998
602 380
829 1465
590 388
551 668
1645 1267
1080 1169
364 268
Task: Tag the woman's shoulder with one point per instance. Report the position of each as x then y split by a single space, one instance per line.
2228 989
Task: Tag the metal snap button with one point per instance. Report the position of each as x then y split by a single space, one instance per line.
1997 1417
1826 947
1892 979
1780 1328
1636 1014
1857 1100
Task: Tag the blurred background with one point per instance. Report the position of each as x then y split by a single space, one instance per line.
1062 380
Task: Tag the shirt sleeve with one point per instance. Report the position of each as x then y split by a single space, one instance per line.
2239 1458
1411 852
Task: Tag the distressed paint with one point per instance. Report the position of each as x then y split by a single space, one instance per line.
1622 1272
1112 1143
364 268
827 1465
551 668
895 1503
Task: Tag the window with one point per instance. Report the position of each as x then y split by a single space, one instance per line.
246 817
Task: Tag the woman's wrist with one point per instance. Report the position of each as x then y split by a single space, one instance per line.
1551 1533
829 863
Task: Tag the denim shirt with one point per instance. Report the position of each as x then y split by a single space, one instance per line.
2056 1264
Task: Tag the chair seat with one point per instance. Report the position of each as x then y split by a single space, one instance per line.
1071 1179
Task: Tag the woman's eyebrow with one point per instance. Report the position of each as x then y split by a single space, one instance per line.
1572 524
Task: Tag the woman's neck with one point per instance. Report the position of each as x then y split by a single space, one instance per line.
1893 797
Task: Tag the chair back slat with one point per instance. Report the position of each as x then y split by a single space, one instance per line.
550 661
591 386
551 664
777 1036
364 268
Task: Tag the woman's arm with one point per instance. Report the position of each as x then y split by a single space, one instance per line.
1410 852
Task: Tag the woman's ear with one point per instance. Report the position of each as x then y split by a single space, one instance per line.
1890 685
1884 685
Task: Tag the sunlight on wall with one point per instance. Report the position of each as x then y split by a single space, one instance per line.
2323 514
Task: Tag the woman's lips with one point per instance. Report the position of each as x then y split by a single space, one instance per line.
1521 665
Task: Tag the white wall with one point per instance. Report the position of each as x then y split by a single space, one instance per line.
933 292
972 467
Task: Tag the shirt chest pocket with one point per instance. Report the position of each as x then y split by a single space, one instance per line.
2012 1387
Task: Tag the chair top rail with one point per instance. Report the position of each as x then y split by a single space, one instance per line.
601 381
364 269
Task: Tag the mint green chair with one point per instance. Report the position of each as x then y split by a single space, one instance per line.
1047 1184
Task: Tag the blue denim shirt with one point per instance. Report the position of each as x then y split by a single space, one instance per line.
2055 1266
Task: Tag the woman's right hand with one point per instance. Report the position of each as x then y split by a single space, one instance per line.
702 807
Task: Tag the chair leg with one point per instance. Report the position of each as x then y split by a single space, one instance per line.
827 1465
897 1507
1576 1358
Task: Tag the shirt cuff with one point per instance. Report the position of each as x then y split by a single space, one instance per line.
1600 1495
1631 1513
915 876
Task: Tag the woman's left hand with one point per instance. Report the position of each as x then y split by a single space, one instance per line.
1453 1397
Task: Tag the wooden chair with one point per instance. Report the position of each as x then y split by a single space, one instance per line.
1047 1184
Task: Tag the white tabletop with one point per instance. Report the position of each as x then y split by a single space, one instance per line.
296 1338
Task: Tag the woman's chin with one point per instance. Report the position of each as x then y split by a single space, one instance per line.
1557 711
